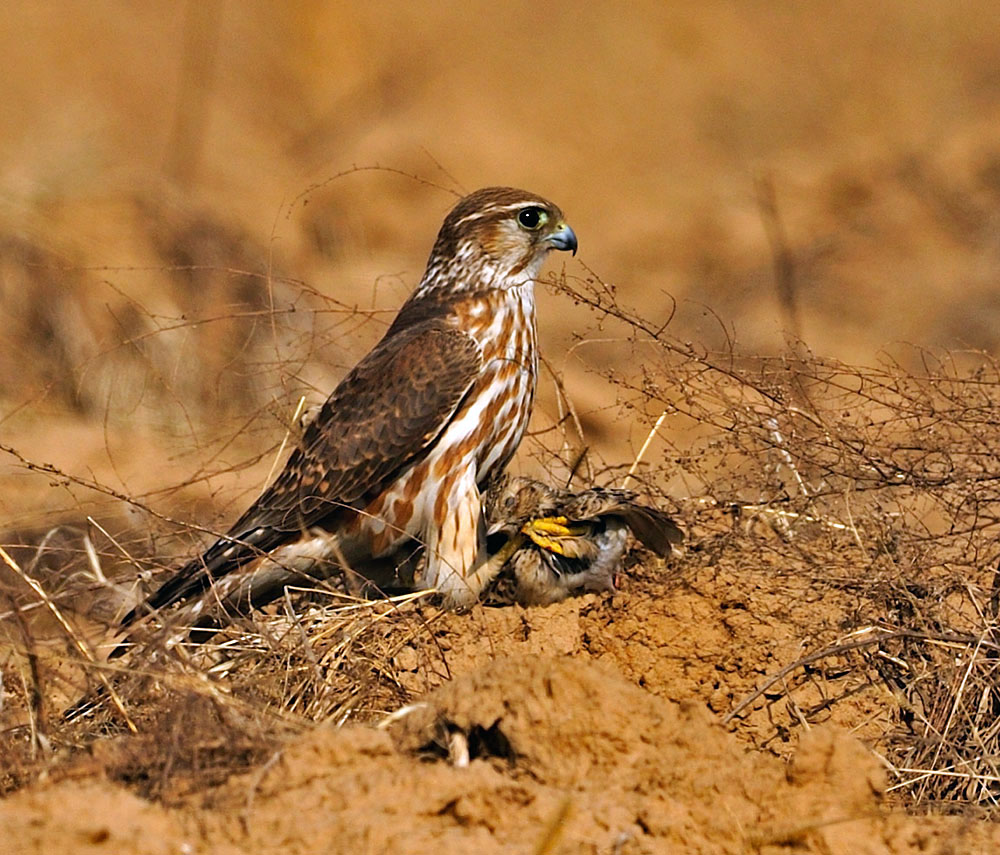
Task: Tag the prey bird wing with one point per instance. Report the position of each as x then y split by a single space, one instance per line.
654 529
385 413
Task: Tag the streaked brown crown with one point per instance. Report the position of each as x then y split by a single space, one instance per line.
478 214
483 230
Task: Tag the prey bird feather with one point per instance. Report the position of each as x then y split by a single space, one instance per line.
558 542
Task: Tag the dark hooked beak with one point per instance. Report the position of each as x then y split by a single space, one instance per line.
563 238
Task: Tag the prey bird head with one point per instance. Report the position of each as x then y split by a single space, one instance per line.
501 236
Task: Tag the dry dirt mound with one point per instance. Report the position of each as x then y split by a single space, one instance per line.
91 817
564 756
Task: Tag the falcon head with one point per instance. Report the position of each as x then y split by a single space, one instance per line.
499 235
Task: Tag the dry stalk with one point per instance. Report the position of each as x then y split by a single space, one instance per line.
642 450
71 634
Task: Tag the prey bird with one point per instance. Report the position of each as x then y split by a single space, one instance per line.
399 452
557 542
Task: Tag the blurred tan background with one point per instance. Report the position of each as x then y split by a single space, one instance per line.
182 234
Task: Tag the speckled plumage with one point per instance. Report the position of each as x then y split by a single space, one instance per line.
397 454
568 542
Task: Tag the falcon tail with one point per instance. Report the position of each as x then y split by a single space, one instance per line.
194 578
190 581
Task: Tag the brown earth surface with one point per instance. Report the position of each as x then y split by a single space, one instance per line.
208 210
565 756
592 725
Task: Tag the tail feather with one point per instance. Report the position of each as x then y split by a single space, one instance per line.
195 577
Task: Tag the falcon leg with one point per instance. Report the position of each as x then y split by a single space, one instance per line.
489 566
456 546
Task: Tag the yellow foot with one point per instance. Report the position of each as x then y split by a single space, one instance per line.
546 531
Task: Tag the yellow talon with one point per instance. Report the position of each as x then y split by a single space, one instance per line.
547 525
502 556
546 531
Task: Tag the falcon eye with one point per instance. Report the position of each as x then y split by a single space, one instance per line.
532 218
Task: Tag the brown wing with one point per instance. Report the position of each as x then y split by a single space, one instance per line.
654 528
384 414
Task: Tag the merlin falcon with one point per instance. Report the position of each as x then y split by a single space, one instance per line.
398 454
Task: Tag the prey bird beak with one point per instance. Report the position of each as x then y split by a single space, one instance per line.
563 238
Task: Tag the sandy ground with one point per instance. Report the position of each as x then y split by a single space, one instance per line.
593 725
588 729
588 763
